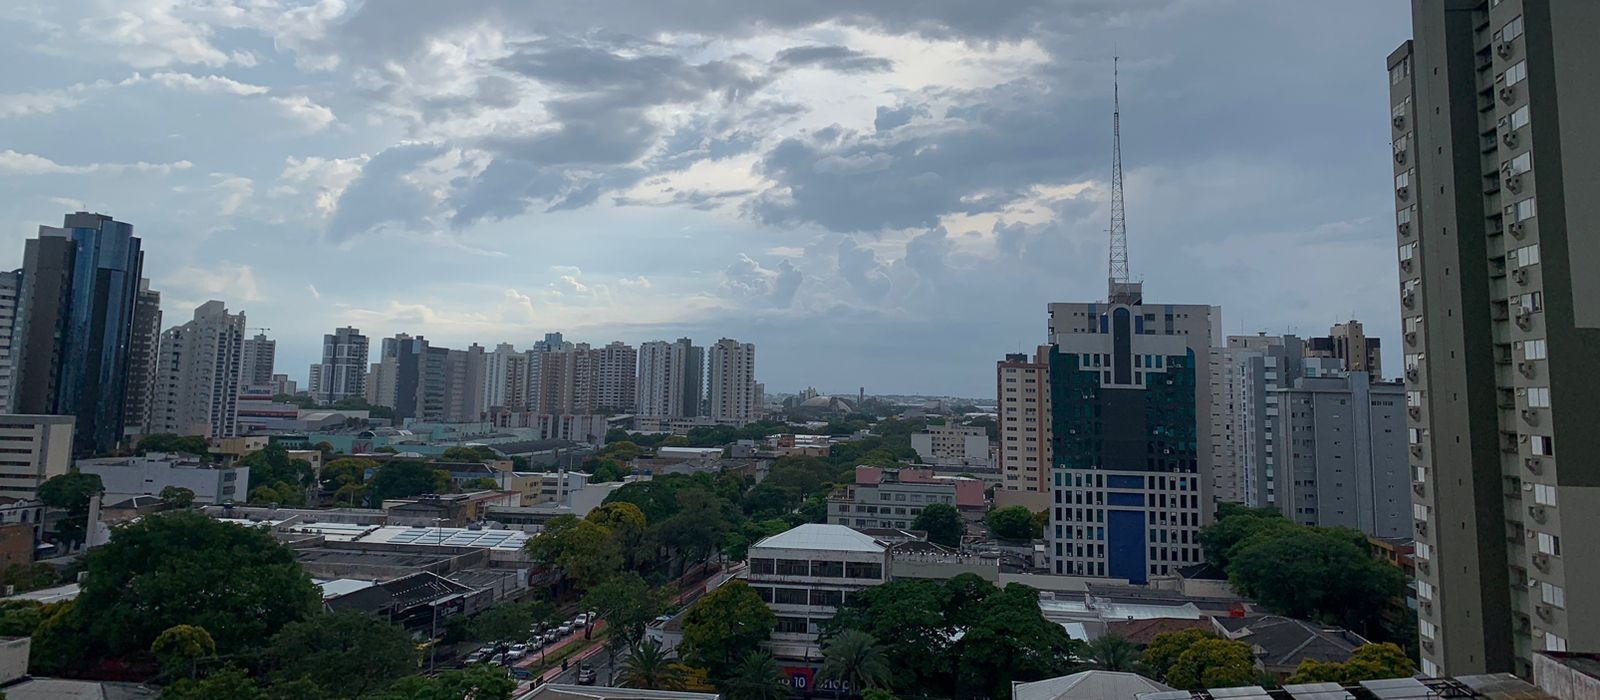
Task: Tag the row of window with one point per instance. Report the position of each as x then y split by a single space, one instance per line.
816 569
801 596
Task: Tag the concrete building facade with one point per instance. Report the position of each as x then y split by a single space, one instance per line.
731 381
144 350
260 354
1349 343
1495 170
10 287
670 380
147 475
33 449
806 574
616 377
342 374
952 445
198 374
1022 400
1342 443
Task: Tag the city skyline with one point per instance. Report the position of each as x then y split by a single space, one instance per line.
752 200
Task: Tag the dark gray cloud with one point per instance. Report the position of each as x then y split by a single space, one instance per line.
842 59
891 118
382 196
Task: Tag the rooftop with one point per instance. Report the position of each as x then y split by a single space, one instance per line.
833 538
560 691
1502 686
401 593
1088 685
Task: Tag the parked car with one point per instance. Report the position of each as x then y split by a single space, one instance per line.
497 660
517 650
473 658
581 620
585 675
563 631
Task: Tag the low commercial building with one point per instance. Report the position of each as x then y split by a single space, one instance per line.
148 475
1494 686
421 603
806 574
1282 643
1088 685
560 691
893 498
953 445
447 509
33 449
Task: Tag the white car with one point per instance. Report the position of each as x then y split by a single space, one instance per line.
563 631
517 651
581 620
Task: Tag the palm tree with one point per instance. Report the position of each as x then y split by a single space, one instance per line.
1112 653
755 677
854 658
647 666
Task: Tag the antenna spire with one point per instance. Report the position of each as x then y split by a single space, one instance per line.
1118 268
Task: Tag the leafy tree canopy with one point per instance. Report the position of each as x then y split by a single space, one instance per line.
347 654
473 453
1213 663
403 478
71 492
724 625
177 496
172 442
1012 523
585 551
942 523
1369 662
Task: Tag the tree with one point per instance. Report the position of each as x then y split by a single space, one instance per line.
1164 650
272 465
647 666
473 453
230 683
623 451
1322 573
1369 662
627 604
1010 640
942 523
172 442
474 682
1112 652
584 551
71 492
182 567
407 478
481 483
1012 523
346 653
1235 524
698 527
853 658
179 647
724 624
1213 663
177 497
28 577
19 618
510 621
755 677
878 694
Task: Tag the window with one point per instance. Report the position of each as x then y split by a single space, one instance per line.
1554 643
792 625
1512 29
793 567
1549 544
822 596
1519 118
1408 251
1553 594
1402 180
827 569
1399 110
1408 287
1424 590
863 570
1424 627
761 566
1413 398
1414 436
1539 397
1413 360
1400 71
1524 256
1423 550
1520 164
1419 511
1532 301
1544 494
1517 73
1523 210
1541 445
789 596
1403 216
1413 324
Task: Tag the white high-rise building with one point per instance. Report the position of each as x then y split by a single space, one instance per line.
198 374
342 373
615 376
731 382
259 356
506 379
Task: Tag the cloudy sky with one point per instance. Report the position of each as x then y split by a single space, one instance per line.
883 194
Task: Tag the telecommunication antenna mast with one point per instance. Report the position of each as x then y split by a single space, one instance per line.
1117 277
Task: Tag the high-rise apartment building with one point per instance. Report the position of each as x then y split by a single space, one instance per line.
1341 440
80 286
37 448
506 379
1022 402
342 374
1130 427
731 382
198 373
1348 343
144 349
671 379
464 385
1495 169
10 287
615 377
259 355
1246 376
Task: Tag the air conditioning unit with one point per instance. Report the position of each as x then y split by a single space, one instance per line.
1531 464
1520 276
1527 368
1541 561
1404 192
1427 645
1505 49
1405 265
1414 412
1399 121
1516 229
1416 450
1411 337
1426 605
1524 319
1424 566
1412 373
1405 229
1537 513
1545 610
1514 182
1422 527
1418 488
1409 299
1400 155
1509 138
1508 94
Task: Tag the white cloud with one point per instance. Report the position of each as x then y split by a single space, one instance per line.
223 280
197 83
314 293
325 178
300 108
153 33
640 282
24 104
14 163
